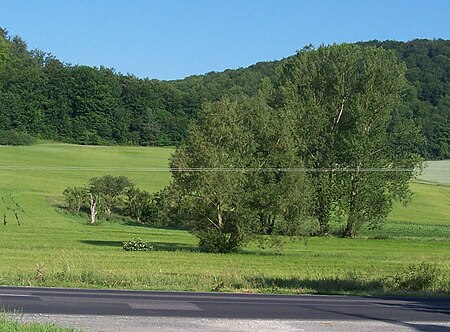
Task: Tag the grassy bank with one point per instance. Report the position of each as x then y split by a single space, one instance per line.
10 325
52 248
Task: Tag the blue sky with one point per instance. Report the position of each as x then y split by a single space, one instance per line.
168 39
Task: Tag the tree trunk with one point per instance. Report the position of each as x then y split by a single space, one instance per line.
323 222
323 201
271 225
322 214
219 216
350 229
92 206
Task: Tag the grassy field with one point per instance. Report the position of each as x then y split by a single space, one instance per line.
53 248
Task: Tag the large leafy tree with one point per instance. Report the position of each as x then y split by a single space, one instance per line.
206 169
357 141
233 173
277 189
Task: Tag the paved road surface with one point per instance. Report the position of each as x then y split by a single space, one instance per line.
112 310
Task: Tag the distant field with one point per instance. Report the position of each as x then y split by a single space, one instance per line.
57 249
437 172
429 205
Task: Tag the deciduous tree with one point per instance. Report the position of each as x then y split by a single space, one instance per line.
360 156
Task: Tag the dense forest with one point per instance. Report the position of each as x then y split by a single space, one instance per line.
48 99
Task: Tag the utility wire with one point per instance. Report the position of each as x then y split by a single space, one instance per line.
213 169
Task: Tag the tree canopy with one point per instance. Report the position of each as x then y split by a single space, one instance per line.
229 177
48 99
347 102
329 140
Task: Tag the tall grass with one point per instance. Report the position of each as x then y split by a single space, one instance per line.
11 325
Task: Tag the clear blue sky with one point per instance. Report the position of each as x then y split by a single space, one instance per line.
168 39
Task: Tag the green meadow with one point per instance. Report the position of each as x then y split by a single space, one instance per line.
54 248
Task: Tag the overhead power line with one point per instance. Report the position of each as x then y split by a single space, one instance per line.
210 169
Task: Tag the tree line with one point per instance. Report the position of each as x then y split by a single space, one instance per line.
46 98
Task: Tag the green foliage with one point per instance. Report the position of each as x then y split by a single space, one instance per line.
229 174
136 244
116 195
427 64
110 191
216 141
75 198
335 111
419 277
48 99
138 202
12 137
345 99
220 240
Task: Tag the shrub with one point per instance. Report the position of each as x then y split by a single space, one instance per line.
421 277
137 245
75 197
12 137
219 241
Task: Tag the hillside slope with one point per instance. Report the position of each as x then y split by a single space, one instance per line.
49 99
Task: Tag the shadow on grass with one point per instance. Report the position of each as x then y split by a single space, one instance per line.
261 252
135 223
168 246
325 285
158 246
349 284
103 243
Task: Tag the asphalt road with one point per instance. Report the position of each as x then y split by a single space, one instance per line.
411 313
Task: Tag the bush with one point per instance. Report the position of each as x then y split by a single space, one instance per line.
12 137
219 241
151 214
421 277
137 245
75 198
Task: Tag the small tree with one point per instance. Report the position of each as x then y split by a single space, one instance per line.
109 190
210 189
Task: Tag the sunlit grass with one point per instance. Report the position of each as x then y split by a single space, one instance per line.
11 325
53 248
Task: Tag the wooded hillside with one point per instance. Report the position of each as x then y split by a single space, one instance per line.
49 99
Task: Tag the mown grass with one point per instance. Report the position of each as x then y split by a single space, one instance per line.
53 248
10 325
